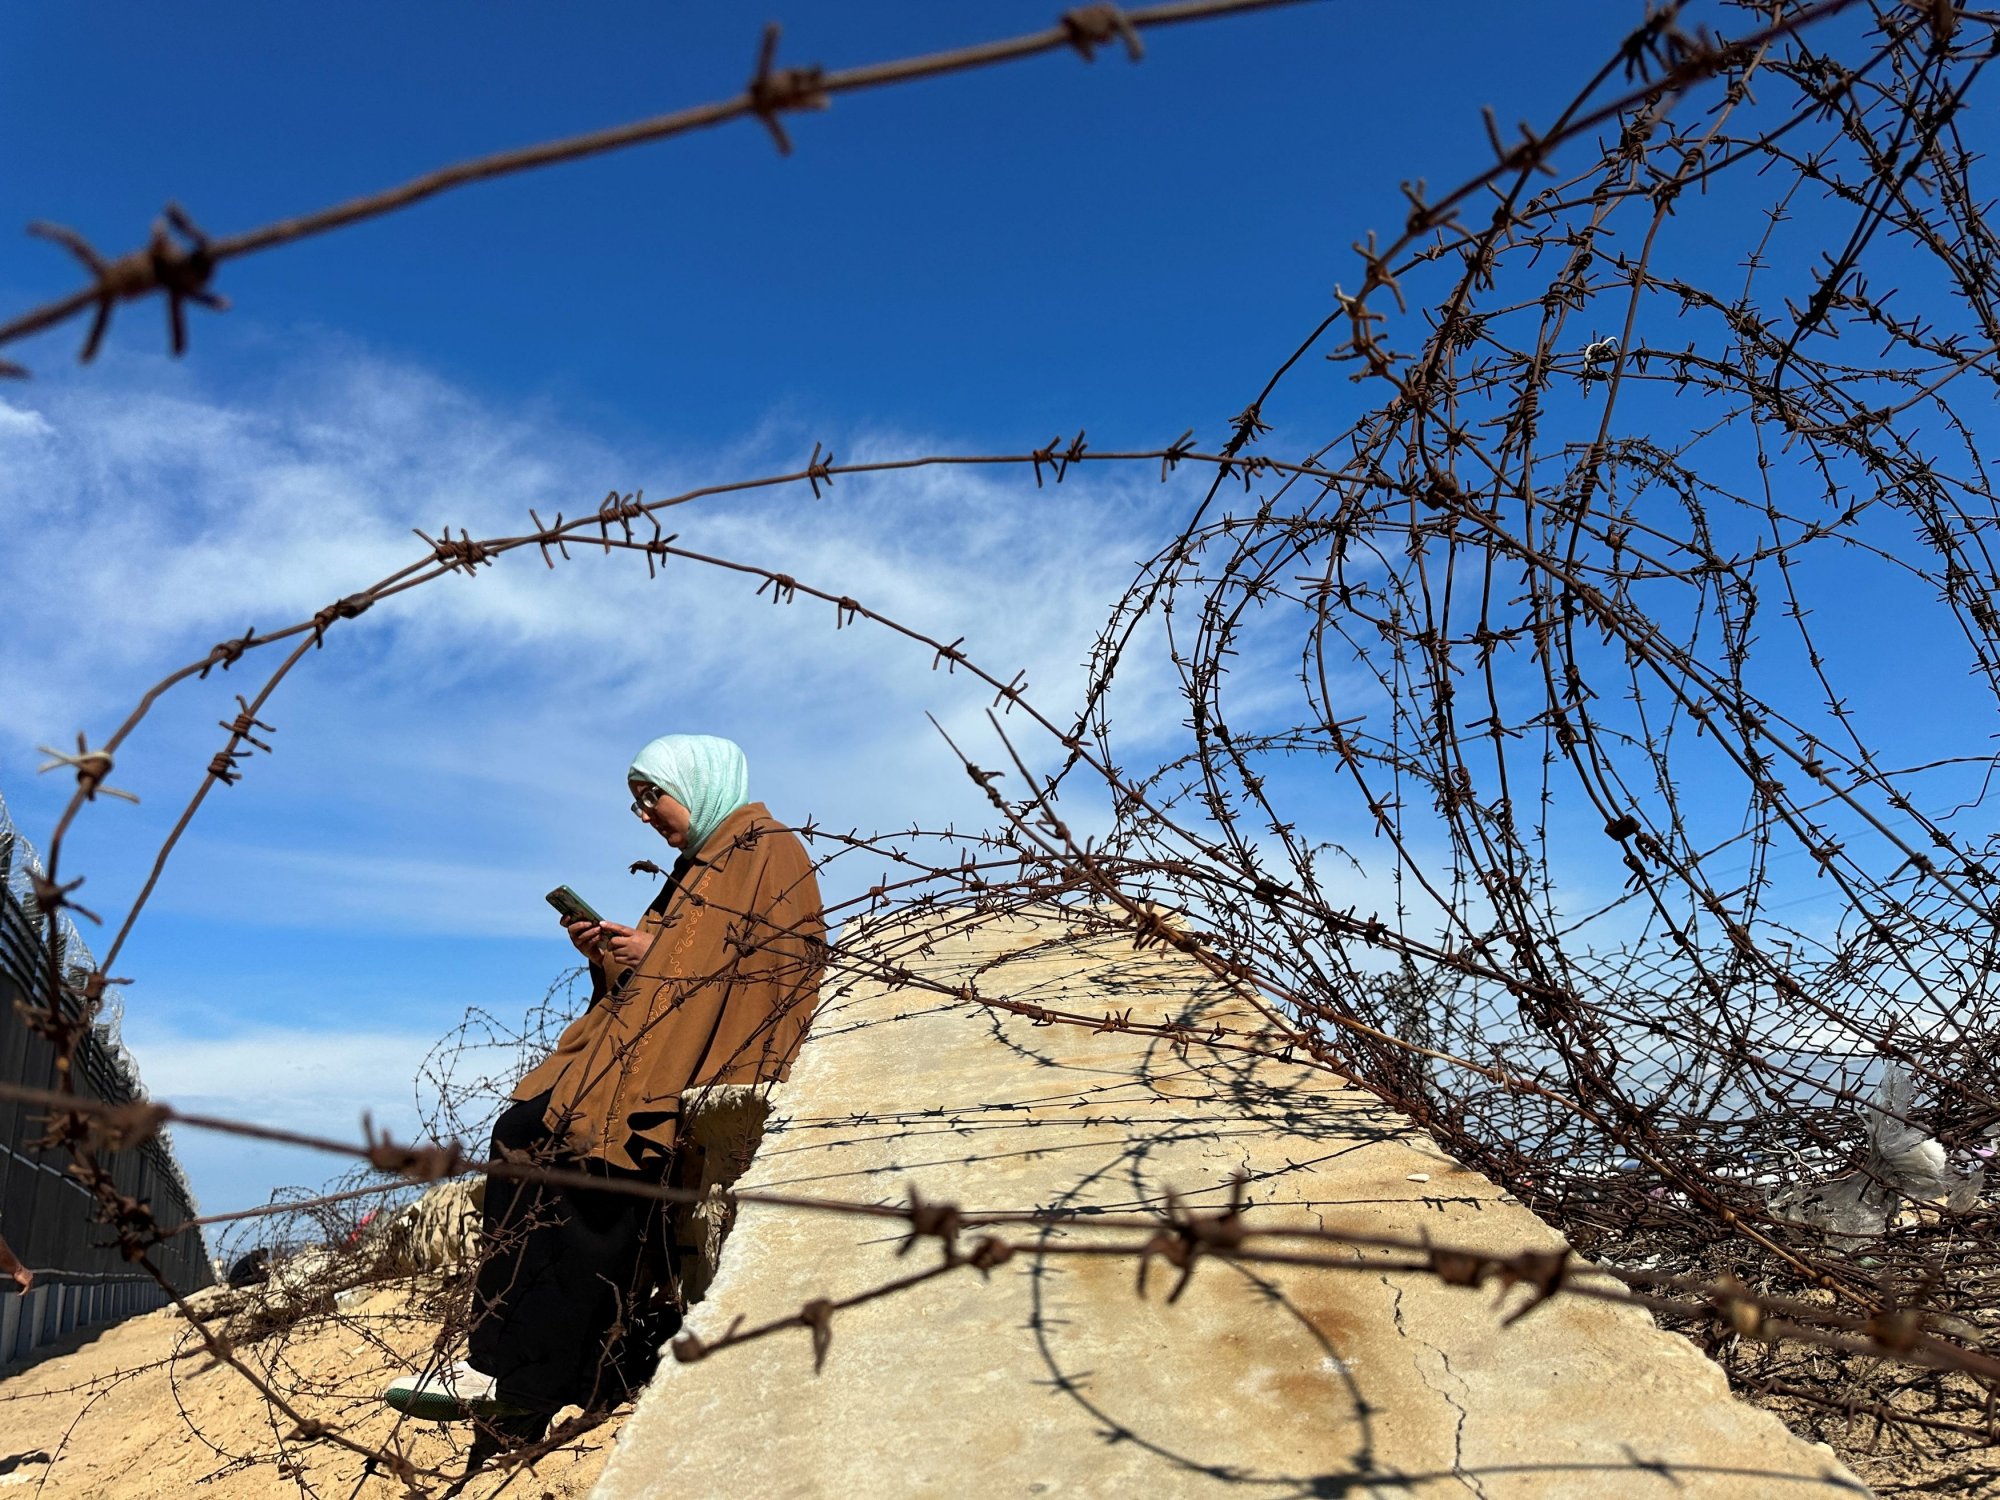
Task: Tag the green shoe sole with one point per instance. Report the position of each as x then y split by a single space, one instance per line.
440 1406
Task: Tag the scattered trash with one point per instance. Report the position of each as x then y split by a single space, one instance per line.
251 1270
1903 1162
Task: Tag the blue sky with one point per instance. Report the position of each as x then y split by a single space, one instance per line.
972 265
1006 252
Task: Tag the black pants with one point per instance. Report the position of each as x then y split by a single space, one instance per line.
573 1300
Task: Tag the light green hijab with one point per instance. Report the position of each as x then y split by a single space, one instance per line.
708 776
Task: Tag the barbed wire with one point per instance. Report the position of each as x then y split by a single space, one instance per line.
1521 594
179 260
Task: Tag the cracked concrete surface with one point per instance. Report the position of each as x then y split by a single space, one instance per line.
1055 1378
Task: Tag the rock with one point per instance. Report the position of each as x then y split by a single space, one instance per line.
438 1232
1055 1372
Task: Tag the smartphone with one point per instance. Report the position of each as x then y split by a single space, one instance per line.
573 907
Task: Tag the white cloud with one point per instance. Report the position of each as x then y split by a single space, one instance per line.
309 1082
314 1081
477 727
460 749
18 425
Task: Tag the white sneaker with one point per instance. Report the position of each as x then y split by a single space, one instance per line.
455 1394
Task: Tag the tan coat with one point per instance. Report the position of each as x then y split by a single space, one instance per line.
722 997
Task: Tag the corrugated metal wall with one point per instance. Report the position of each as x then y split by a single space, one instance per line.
47 1216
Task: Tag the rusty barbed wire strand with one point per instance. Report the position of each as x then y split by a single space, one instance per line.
1182 1236
1519 590
180 260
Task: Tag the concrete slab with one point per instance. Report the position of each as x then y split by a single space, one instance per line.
1055 1379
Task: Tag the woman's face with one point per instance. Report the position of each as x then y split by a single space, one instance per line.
667 817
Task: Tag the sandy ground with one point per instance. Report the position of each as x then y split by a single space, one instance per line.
139 1410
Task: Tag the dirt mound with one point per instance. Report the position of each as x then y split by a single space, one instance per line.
140 1409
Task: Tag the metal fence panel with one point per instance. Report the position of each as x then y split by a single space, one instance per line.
48 1217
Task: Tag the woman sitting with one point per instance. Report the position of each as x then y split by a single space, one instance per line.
708 996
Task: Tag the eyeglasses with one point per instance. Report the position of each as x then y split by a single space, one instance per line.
642 805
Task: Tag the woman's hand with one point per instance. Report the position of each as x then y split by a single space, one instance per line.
622 946
588 938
